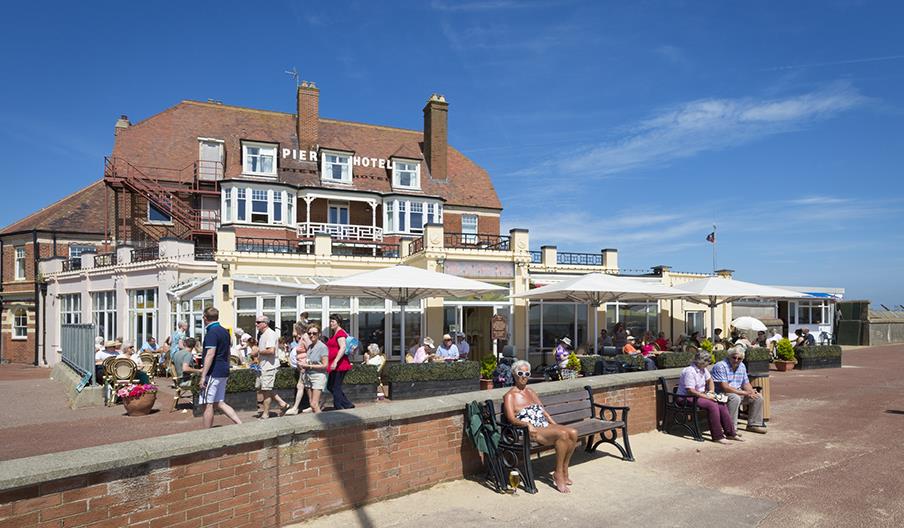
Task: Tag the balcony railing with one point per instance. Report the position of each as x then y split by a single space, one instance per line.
367 250
341 231
271 245
476 241
579 259
146 253
536 257
205 254
416 245
104 259
72 264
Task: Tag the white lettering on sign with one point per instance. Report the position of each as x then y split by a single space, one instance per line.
357 161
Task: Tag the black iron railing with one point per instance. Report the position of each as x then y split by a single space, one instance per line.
146 253
476 241
416 245
205 254
350 249
579 259
104 259
72 264
271 245
536 257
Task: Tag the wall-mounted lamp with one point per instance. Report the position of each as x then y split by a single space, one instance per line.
225 266
225 291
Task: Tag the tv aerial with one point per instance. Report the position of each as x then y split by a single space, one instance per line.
293 73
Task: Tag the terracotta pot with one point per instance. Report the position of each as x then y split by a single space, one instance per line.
784 366
141 405
486 384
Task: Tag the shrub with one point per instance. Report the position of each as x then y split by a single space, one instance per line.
397 372
674 359
707 345
487 366
573 362
758 354
588 363
242 380
785 350
818 351
363 375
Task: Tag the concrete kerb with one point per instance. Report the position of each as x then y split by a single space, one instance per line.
43 468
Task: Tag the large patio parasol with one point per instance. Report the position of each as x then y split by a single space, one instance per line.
403 285
598 288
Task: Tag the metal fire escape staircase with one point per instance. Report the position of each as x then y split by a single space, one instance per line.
174 198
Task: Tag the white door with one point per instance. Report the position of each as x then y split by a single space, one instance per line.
210 160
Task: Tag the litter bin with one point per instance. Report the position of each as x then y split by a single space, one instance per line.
762 381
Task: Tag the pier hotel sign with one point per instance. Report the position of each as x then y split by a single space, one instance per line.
356 161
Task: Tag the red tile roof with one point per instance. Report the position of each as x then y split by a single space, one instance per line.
82 211
170 140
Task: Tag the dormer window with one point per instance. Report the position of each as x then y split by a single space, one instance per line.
258 159
337 167
406 174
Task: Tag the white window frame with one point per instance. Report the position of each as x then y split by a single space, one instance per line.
393 215
339 206
76 250
397 177
246 157
268 213
161 211
20 263
467 236
346 177
228 205
103 312
19 323
71 308
234 212
277 205
144 313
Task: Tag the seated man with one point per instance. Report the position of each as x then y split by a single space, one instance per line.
447 351
102 355
183 361
150 345
809 340
464 348
730 378
717 338
799 339
662 342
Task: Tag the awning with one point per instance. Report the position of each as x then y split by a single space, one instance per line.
280 281
183 288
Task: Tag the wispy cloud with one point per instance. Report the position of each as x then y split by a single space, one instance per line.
673 54
484 5
819 200
703 125
836 63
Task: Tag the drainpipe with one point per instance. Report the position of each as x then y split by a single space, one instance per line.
34 254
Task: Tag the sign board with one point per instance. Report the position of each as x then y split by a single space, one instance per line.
86 379
500 327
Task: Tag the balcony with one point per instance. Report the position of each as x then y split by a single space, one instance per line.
477 241
341 231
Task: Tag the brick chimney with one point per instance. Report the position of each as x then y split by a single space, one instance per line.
307 120
121 124
436 136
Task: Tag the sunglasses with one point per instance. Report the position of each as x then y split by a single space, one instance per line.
313 333
523 374
259 322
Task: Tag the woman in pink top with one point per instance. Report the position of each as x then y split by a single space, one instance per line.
696 381
338 364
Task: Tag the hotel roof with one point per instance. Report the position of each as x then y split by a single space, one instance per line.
81 211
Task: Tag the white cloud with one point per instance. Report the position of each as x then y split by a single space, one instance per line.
483 5
699 126
819 200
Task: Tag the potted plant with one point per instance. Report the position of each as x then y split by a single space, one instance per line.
786 358
138 399
487 366
572 367
707 345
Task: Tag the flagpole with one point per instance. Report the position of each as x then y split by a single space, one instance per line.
714 248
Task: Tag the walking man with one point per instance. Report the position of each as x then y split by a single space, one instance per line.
215 371
267 346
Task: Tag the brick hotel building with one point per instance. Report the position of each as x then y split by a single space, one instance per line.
246 209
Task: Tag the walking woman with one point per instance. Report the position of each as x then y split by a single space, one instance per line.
338 364
298 356
314 365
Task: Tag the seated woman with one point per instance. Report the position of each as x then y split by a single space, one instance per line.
374 356
523 407
662 342
696 381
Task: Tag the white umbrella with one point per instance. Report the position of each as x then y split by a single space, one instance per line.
404 284
749 323
713 291
598 288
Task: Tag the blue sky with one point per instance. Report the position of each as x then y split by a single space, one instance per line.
634 125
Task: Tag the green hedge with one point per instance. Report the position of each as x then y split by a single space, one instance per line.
818 351
667 360
589 362
242 380
758 354
398 372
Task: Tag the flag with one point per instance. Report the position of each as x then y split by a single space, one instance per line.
711 238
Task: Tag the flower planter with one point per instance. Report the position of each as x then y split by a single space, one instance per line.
784 366
569 374
140 406
486 384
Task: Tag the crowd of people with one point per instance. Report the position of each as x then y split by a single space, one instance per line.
425 350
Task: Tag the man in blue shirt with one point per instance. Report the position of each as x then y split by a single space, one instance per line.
730 378
215 371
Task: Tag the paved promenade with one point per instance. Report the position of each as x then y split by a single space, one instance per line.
833 457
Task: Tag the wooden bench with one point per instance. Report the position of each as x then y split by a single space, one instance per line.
573 409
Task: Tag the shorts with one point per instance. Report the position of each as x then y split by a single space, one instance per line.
265 381
214 392
315 380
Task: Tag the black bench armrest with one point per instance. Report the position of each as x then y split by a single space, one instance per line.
514 435
609 413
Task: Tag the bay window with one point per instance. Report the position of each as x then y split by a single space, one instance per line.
410 216
259 159
240 208
277 207
258 205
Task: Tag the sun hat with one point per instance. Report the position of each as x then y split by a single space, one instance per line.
630 338
428 341
566 340
447 337
112 343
